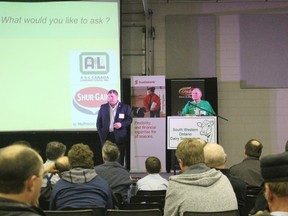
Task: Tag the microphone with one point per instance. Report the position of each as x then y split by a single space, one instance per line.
189 101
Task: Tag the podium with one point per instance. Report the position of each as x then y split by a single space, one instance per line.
182 127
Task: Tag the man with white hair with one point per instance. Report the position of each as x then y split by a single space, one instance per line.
198 106
215 157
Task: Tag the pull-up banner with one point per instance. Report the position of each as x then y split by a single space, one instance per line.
148 129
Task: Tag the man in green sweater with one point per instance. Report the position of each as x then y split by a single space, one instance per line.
198 106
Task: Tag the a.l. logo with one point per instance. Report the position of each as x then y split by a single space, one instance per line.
94 63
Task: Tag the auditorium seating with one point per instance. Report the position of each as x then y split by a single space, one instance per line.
151 192
143 212
84 212
251 195
97 211
139 206
150 197
223 213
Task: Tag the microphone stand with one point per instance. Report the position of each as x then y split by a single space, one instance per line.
214 114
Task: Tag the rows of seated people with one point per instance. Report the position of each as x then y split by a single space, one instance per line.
73 182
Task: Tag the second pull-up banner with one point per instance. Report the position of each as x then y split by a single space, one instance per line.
148 129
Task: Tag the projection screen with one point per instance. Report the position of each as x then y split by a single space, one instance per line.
58 60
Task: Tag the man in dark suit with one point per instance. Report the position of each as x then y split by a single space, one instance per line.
113 122
249 169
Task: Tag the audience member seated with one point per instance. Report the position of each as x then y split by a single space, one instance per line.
151 189
21 174
117 176
198 188
81 187
274 169
54 150
62 164
261 204
249 169
22 142
152 181
215 157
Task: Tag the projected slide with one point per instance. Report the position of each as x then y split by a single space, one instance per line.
58 61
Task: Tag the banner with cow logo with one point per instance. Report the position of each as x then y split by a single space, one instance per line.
182 127
148 129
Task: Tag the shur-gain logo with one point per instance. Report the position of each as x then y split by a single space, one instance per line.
94 63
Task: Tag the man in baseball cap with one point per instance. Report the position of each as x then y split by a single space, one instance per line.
274 169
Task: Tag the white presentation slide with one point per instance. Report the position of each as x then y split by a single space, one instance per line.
58 61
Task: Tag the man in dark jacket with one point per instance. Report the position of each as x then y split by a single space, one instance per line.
249 169
113 122
114 173
21 174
